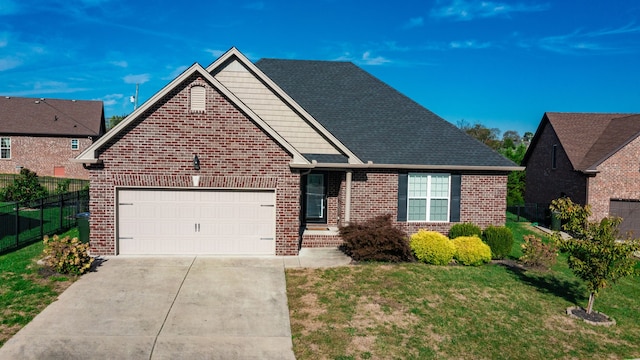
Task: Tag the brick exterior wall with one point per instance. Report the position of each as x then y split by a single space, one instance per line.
158 150
43 154
483 202
543 183
618 178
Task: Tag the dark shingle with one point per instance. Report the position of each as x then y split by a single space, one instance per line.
372 119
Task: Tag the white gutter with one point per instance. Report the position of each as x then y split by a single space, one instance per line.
371 165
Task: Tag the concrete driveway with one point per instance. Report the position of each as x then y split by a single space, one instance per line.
165 308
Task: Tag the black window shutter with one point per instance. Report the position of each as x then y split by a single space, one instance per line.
454 206
403 183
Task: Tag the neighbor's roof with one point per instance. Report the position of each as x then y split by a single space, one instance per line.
54 117
373 120
590 138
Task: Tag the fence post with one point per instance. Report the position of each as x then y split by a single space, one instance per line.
60 207
41 218
77 201
17 223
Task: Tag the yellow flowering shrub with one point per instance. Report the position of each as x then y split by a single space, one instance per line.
470 250
431 247
67 255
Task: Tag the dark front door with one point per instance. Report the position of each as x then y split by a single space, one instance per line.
316 198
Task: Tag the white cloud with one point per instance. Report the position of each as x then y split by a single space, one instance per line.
463 10
378 60
111 99
214 52
469 44
414 22
137 79
9 63
121 63
580 42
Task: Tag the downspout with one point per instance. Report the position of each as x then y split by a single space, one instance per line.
347 201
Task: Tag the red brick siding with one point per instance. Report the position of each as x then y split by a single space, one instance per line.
42 154
618 178
543 183
483 200
158 151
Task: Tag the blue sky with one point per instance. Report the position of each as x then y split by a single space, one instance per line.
500 63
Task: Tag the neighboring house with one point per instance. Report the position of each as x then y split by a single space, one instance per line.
43 135
265 158
591 158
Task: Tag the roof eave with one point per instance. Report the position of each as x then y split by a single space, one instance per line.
371 165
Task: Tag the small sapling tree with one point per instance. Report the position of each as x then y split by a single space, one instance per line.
596 255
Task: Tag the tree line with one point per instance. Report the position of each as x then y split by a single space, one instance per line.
512 146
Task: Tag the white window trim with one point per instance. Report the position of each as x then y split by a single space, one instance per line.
428 198
77 144
3 148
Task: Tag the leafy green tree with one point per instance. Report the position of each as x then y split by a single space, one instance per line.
516 180
115 120
483 134
595 254
25 187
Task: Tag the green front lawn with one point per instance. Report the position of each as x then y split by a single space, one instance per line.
417 311
24 291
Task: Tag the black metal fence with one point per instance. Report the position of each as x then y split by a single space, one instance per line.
23 223
52 184
538 213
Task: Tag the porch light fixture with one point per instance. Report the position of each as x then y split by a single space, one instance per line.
196 162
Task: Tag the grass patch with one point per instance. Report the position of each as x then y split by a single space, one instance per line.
25 290
417 311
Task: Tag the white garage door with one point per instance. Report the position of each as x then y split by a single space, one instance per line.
196 222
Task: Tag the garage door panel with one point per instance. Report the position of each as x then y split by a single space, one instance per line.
196 222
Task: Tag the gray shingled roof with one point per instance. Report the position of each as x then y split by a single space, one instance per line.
53 117
372 119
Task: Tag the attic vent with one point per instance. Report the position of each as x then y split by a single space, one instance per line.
198 98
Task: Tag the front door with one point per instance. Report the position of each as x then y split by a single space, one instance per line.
316 198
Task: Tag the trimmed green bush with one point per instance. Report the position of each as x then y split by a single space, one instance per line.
499 239
470 250
375 240
464 229
431 247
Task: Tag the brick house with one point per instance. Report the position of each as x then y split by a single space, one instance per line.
593 158
43 135
265 158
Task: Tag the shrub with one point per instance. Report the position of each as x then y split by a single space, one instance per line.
538 254
499 239
375 240
25 187
470 250
464 229
431 247
67 255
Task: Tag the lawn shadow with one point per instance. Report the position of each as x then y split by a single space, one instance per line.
549 283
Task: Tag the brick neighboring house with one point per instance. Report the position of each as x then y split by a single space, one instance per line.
265 158
592 158
43 135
